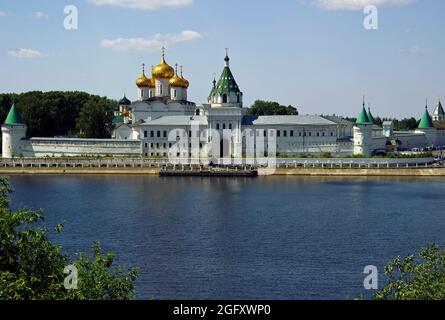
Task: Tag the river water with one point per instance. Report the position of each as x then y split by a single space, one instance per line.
242 238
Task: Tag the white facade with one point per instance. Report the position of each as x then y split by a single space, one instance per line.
363 140
12 140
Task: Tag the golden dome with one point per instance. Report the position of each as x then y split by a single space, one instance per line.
152 80
143 81
177 81
186 83
163 70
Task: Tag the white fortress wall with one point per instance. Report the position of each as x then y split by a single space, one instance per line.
410 139
59 147
379 142
440 137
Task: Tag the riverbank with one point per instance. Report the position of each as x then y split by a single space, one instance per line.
79 171
344 172
356 172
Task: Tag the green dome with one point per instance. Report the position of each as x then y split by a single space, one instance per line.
226 84
13 117
426 122
363 118
370 117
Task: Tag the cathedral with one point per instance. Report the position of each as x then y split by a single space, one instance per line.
163 115
163 123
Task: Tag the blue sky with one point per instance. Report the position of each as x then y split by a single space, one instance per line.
314 54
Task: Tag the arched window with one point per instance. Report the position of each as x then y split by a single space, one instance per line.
224 98
230 126
198 112
238 98
160 89
175 94
224 126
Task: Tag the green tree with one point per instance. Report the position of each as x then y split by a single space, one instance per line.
95 119
416 278
267 108
53 113
32 268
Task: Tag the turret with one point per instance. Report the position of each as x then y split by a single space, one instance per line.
426 126
124 109
363 134
439 113
226 93
13 132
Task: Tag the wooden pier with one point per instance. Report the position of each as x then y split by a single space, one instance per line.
206 171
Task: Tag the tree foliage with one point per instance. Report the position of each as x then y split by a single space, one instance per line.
32 268
95 119
416 278
55 113
268 108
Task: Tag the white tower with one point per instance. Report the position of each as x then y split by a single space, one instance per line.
439 113
363 134
426 126
226 114
13 132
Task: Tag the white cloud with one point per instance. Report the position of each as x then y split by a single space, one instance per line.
2 14
151 43
356 4
39 15
143 4
25 53
416 50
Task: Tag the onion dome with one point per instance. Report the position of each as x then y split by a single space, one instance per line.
143 81
186 83
152 80
124 101
176 81
163 70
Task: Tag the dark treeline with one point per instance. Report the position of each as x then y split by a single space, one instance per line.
270 108
55 113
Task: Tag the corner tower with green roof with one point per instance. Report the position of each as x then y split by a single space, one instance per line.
226 92
426 127
363 144
425 121
13 133
371 117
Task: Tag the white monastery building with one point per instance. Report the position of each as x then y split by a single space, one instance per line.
163 123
